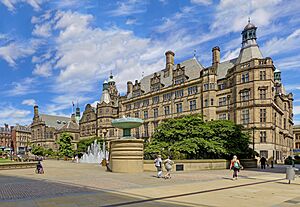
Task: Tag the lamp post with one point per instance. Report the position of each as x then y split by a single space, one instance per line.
104 147
253 140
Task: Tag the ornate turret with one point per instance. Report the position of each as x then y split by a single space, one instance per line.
111 80
249 35
277 75
105 85
105 97
250 49
77 113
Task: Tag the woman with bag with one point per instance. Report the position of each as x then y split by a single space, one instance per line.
235 165
168 165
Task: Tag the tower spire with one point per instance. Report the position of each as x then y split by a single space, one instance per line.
249 20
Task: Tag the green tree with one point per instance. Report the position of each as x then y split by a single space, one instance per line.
38 150
65 146
189 137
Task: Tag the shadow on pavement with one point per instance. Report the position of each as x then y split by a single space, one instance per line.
14 191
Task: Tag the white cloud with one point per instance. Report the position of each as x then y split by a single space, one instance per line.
94 104
131 21
129 7
231 54
289 63
15 50
296 110
43 70
29 102
23 87
292 87
202 2
42 30
232 15
10 4
12 115
282 45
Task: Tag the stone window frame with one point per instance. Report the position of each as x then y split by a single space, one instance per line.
223 101
245 94
155 113
245 116
223 116
245 77
192 90
262 115
263 136
167 110
179 107
193 105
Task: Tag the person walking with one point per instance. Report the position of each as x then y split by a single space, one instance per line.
263 161
158 165
168 165
235 165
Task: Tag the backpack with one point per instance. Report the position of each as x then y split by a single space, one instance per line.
236 165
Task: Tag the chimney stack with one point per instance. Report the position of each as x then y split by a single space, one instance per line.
129 87
36 111
169 61
215 56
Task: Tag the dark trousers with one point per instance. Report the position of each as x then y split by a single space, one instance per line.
235 172
263 166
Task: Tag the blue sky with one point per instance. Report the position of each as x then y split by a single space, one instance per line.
54 52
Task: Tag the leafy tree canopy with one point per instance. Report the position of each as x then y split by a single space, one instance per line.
190 137
65 146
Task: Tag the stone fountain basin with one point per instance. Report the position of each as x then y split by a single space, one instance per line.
127 123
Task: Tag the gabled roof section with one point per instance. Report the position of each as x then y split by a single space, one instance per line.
192 70
54 121
224 67
71 125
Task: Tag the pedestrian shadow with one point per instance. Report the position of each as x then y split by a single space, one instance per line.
287 183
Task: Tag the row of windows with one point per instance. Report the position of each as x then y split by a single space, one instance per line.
166 97
167 110
245 118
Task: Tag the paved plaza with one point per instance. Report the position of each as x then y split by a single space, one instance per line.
67 184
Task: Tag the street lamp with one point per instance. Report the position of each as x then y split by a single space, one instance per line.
104 146
253 140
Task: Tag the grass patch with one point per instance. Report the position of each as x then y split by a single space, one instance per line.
5 160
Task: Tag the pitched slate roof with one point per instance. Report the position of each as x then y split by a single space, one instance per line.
54 121
224 66
249 53
71 125
192 70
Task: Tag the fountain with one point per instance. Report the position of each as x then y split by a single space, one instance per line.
94 154
127 153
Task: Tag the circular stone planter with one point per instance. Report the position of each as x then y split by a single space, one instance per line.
127 155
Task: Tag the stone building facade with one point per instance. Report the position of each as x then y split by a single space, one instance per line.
46 129
296 130
72 128
5 137
21 137
96 121
246 89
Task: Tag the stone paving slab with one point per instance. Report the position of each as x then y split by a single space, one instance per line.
71 184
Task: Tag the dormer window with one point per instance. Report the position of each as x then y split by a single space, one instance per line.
179 76
155 83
